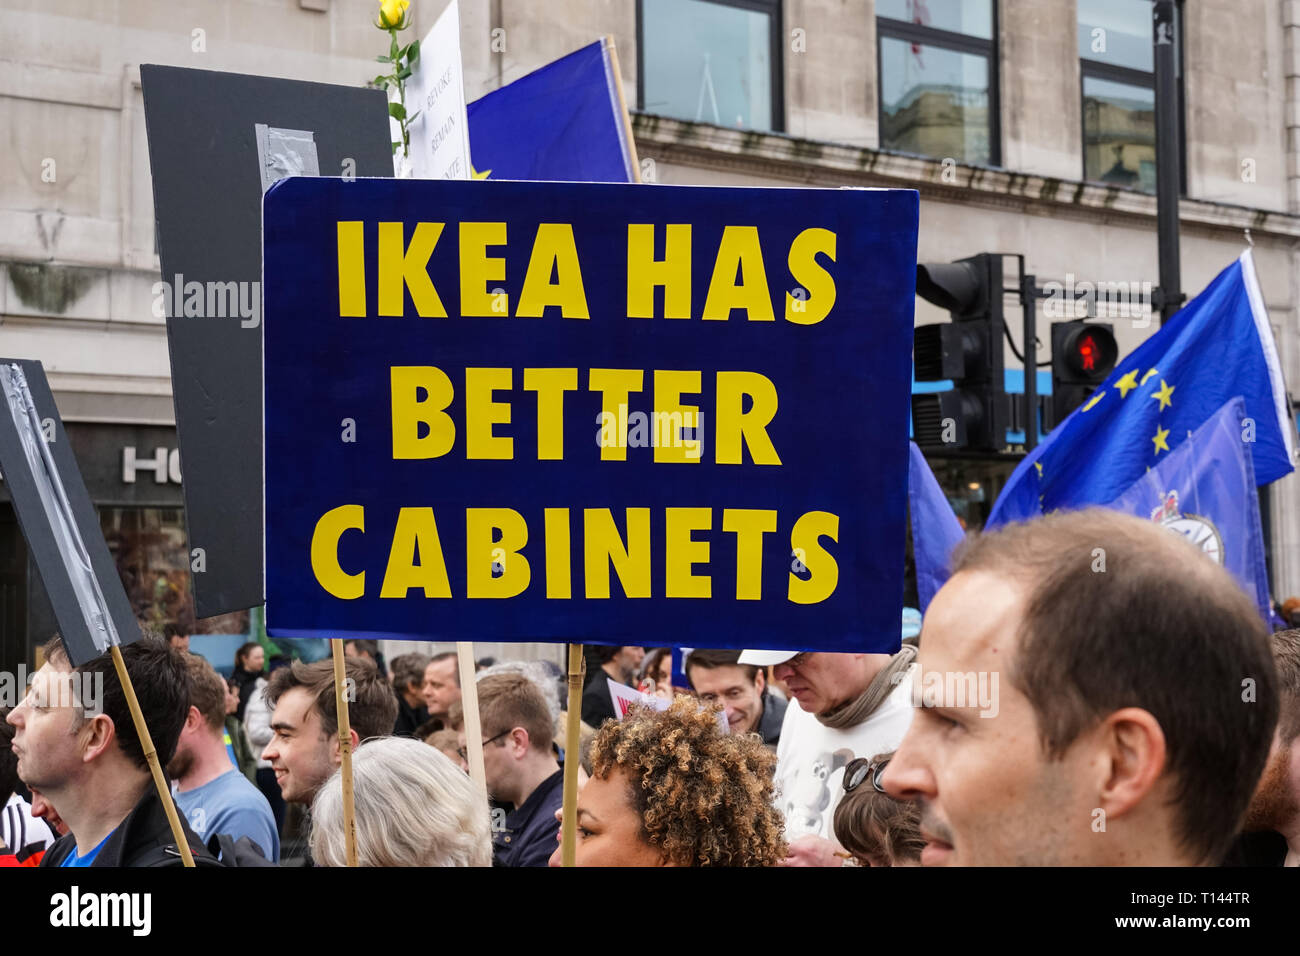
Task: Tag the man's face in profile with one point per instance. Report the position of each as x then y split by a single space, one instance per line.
301 754
988 794
46 739
440 689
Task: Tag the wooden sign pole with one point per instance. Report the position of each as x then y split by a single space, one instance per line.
345 750
572 747
469 708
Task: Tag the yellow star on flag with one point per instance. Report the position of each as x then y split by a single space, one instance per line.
1094 400
1149 373
1161 435
1127 383
1039 466
475 174
1163 396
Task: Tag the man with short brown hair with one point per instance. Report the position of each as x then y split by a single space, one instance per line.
305 747
210 791
1136 704
520 767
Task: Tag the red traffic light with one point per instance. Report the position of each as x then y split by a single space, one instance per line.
1088 351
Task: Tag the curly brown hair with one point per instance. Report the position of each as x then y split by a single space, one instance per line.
704 797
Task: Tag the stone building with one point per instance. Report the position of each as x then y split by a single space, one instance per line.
1026 125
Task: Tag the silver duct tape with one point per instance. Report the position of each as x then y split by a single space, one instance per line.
58 511
285 152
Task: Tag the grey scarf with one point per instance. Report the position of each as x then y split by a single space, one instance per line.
853 712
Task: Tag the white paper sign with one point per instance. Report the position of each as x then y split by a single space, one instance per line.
624 697
440 133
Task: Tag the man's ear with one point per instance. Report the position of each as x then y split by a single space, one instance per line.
520 741
760 680
97 736
193 720
336 752
1134 756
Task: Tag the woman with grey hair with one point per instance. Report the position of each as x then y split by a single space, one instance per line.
413 807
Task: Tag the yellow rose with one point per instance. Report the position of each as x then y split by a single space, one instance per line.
391 13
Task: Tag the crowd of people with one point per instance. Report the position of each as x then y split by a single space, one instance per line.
1046 713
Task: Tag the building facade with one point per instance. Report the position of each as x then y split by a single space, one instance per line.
1026 125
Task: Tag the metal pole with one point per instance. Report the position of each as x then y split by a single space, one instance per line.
1029 309
1168 185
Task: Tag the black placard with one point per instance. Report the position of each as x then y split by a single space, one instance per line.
21 482
207 189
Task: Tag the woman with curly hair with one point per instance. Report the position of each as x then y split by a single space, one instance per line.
669 788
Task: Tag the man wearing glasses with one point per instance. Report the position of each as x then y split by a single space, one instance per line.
843 706
520 768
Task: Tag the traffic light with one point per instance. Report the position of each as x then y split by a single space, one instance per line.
968 350
1083 355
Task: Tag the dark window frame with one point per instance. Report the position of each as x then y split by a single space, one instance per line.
776 47
887 27
1132 76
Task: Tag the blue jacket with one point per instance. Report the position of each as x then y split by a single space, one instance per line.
528 836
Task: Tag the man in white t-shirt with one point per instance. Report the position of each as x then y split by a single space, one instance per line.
842 706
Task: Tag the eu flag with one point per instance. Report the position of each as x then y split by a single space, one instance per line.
1218 346
1205 490
935 529
562 123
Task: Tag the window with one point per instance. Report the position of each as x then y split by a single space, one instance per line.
939 79
148 547
712 61
1117 72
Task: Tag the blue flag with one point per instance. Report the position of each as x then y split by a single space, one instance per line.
935 529
1205 490
563 123
1219 345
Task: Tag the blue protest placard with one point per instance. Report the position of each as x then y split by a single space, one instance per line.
605 413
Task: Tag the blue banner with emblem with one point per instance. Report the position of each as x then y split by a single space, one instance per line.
620 414
1205 491
1217 346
